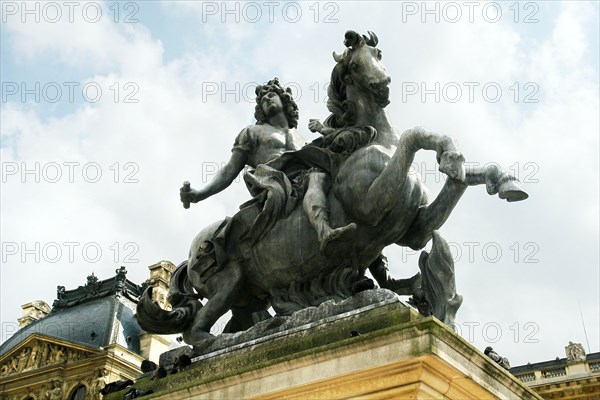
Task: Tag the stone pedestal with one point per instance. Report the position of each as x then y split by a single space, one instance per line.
382 351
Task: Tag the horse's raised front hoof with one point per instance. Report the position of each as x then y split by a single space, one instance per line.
452 163
511 191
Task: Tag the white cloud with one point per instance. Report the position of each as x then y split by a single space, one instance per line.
81 43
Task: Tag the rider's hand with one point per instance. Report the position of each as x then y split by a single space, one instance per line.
314 125
191 195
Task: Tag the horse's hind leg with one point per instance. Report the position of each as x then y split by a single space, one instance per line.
379 270
222 288
244 317
434 215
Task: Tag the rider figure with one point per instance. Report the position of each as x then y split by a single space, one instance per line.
275 133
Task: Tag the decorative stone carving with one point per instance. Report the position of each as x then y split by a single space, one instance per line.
97 382
60 296
94 288
57 354
33 360
10 366
92 285
14 366
39 354
30 392
120 279
23 359
44 352
54 392
74 355
575 352
33 311
498 359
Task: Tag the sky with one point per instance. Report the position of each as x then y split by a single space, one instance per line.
107 107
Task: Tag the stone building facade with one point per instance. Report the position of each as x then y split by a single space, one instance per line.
88 338
575 377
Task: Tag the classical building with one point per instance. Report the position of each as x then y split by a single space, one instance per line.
87 339
575 377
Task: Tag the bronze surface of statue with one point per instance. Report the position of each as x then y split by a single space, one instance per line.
277 253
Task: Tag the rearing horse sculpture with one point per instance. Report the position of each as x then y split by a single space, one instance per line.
373 187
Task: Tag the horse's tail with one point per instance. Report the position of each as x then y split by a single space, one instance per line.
153 319
439 283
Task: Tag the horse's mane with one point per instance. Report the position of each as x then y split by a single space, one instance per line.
343 111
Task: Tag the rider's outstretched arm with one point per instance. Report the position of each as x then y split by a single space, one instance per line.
226 175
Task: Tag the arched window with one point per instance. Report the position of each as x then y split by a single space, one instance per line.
78 393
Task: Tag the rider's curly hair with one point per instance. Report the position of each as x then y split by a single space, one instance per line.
290 108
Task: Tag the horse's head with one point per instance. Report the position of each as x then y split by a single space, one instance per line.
358 67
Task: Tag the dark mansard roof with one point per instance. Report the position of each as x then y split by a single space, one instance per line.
97 314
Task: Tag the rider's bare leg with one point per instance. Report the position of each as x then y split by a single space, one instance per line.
316 207
223 287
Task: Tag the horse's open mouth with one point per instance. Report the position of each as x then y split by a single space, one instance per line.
381 92
381 95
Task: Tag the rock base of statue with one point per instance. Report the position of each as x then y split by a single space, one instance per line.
382 349
282 326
